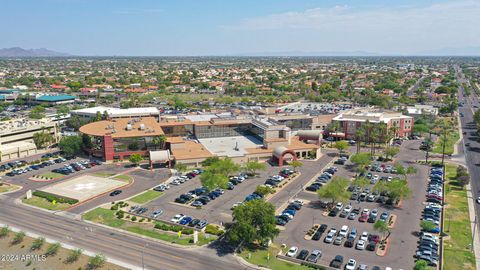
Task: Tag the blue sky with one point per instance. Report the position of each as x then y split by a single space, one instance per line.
226 27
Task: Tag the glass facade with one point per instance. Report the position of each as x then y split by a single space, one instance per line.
133 144
228 130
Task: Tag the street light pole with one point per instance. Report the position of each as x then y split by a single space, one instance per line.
474 232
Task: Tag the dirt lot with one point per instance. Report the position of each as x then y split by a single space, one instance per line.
8 262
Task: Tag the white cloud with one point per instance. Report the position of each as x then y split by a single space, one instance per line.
411 28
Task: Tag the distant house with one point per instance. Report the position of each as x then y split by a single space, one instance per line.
88 91
59 87
54 99
421 110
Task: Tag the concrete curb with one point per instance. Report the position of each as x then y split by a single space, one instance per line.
471 212
245 263
143 236
71 247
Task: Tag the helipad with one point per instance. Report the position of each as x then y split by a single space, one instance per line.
83 187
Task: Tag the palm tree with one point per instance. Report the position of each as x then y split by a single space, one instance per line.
333 127
359 134
159 141
383 130
375 135
368 131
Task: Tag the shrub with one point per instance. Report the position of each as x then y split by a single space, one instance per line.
114 207
134 218
142 219
51 197
74 255
38 243
120 214
96 262
213 229
173 228
52 249
18 238
4 231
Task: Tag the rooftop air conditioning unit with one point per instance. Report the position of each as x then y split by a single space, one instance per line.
129 127
142 126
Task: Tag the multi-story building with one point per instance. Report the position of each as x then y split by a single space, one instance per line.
90 113
352 120
16 136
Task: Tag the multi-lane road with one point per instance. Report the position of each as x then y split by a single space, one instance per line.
116 245
472 152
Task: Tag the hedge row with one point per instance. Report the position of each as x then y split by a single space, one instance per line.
173 228
213 229
50 197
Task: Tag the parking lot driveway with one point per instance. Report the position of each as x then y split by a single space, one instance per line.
27 184
143 180
217 211
403 241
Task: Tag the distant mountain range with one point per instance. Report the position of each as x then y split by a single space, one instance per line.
303 53
20 52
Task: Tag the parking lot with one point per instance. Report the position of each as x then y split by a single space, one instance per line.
403 239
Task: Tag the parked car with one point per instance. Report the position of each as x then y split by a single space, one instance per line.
292 252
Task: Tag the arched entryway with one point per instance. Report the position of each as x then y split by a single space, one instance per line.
282 154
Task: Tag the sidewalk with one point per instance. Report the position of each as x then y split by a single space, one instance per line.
471 211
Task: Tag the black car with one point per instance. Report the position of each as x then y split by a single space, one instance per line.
322 228
280 221
317 236
337 262
313 187
295 206
194 222
371 246
180 200
349 243
333 213
303 254
115 193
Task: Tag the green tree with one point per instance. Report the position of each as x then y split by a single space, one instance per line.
211 180
390 152
62 110
361 160
96 261
251 167
71 145
135 159
253 221
382 227
296 164
263 190
4 231
37 112
361 182
398 189
224 166
341 146
210 160
42 139
98 117
421 265
159 141
180 167
427 225
335 190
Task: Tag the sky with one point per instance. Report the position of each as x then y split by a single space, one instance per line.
240 27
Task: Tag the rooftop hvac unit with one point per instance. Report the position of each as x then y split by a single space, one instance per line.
129 127
142 126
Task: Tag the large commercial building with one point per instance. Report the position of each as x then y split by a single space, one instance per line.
90 113
16 136
352 120
192 138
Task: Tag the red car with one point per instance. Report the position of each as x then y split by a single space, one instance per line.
435 197
374 238
363 218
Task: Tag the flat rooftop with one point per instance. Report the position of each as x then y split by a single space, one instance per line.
83 187
124 127
23 124
225 146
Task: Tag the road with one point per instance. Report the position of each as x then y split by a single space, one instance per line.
113 244
472 153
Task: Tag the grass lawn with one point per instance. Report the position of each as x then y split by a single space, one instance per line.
7 188
103 174
123 177
457 225
452 138
44 203
52 175
147 196
104 216
259 257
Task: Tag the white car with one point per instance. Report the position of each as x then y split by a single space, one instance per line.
343 231
347 209
364 236
236 204
329 237
292 252
177 218
360 245
478 199
429 236
299 202
366 211
175 182
376 177
351 264
339 206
